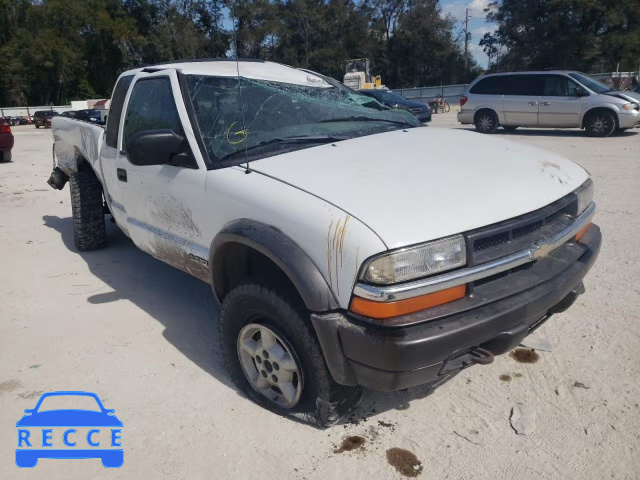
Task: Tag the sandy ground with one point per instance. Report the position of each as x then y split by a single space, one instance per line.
143 336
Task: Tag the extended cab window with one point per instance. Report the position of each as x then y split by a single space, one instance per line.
152 107
115 112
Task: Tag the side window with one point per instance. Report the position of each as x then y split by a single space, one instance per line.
526 85
572 88
113 120
489 86
556 86
151 107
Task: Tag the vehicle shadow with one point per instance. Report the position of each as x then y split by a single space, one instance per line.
184 305
187 309
549 132
540 132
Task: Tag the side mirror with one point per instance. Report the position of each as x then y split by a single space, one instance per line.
154 147
581 93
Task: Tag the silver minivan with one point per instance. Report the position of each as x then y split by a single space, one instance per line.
557 99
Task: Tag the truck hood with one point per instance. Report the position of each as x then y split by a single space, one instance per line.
411 186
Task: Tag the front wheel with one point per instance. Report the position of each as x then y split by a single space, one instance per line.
486 122
600 124
273 356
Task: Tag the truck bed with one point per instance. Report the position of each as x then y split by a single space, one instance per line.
74 140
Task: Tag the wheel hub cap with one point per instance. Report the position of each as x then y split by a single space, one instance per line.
270 365
486 122
599 124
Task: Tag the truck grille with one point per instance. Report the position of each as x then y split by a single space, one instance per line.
511 236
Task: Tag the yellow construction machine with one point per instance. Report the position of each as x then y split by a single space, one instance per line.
358 76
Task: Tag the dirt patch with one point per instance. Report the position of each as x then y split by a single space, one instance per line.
505 378
404 462
517 375
351 443
385 424
9 386
524 355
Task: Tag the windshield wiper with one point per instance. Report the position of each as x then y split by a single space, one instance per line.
278 140
362 118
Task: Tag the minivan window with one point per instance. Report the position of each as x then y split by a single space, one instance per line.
559 86
489 86
115 112
526 85
590 83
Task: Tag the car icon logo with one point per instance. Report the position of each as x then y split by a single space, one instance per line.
69 433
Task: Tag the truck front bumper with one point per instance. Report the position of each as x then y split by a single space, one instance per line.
358 352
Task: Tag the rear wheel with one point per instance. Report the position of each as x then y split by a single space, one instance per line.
5 157
273 356
486 122
87 208
600 124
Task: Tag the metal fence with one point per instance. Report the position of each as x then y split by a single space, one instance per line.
423 94
29 111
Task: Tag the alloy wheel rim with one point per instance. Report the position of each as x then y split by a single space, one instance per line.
599 124
486 122
270 365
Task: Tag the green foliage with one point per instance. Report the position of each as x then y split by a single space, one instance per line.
54 51
587 35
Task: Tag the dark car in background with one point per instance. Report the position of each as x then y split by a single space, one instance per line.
89 115
42 118
69 114
6 141
398 102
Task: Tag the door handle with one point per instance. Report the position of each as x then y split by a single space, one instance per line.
545 104
533 103
122 174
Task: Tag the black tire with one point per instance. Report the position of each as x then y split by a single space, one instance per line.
5 157
87 208
509 128
486 121
322 402
600 124
37 126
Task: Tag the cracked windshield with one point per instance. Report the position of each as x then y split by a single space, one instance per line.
245 118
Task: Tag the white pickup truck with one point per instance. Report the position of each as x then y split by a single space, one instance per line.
347 245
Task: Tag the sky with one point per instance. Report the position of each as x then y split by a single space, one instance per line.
478 25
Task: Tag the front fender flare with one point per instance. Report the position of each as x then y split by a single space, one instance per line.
284 252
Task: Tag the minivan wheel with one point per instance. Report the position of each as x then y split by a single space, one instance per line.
486 122
600 124
273 356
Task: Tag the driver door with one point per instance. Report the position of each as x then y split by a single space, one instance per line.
163 197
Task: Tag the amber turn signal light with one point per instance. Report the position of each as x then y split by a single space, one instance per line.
371 309
582 231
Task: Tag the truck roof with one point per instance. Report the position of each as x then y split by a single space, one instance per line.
246 68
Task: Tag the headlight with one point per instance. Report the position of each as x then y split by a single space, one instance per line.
415 262
585 195
630 106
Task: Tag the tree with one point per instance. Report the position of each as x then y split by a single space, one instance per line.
571 34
